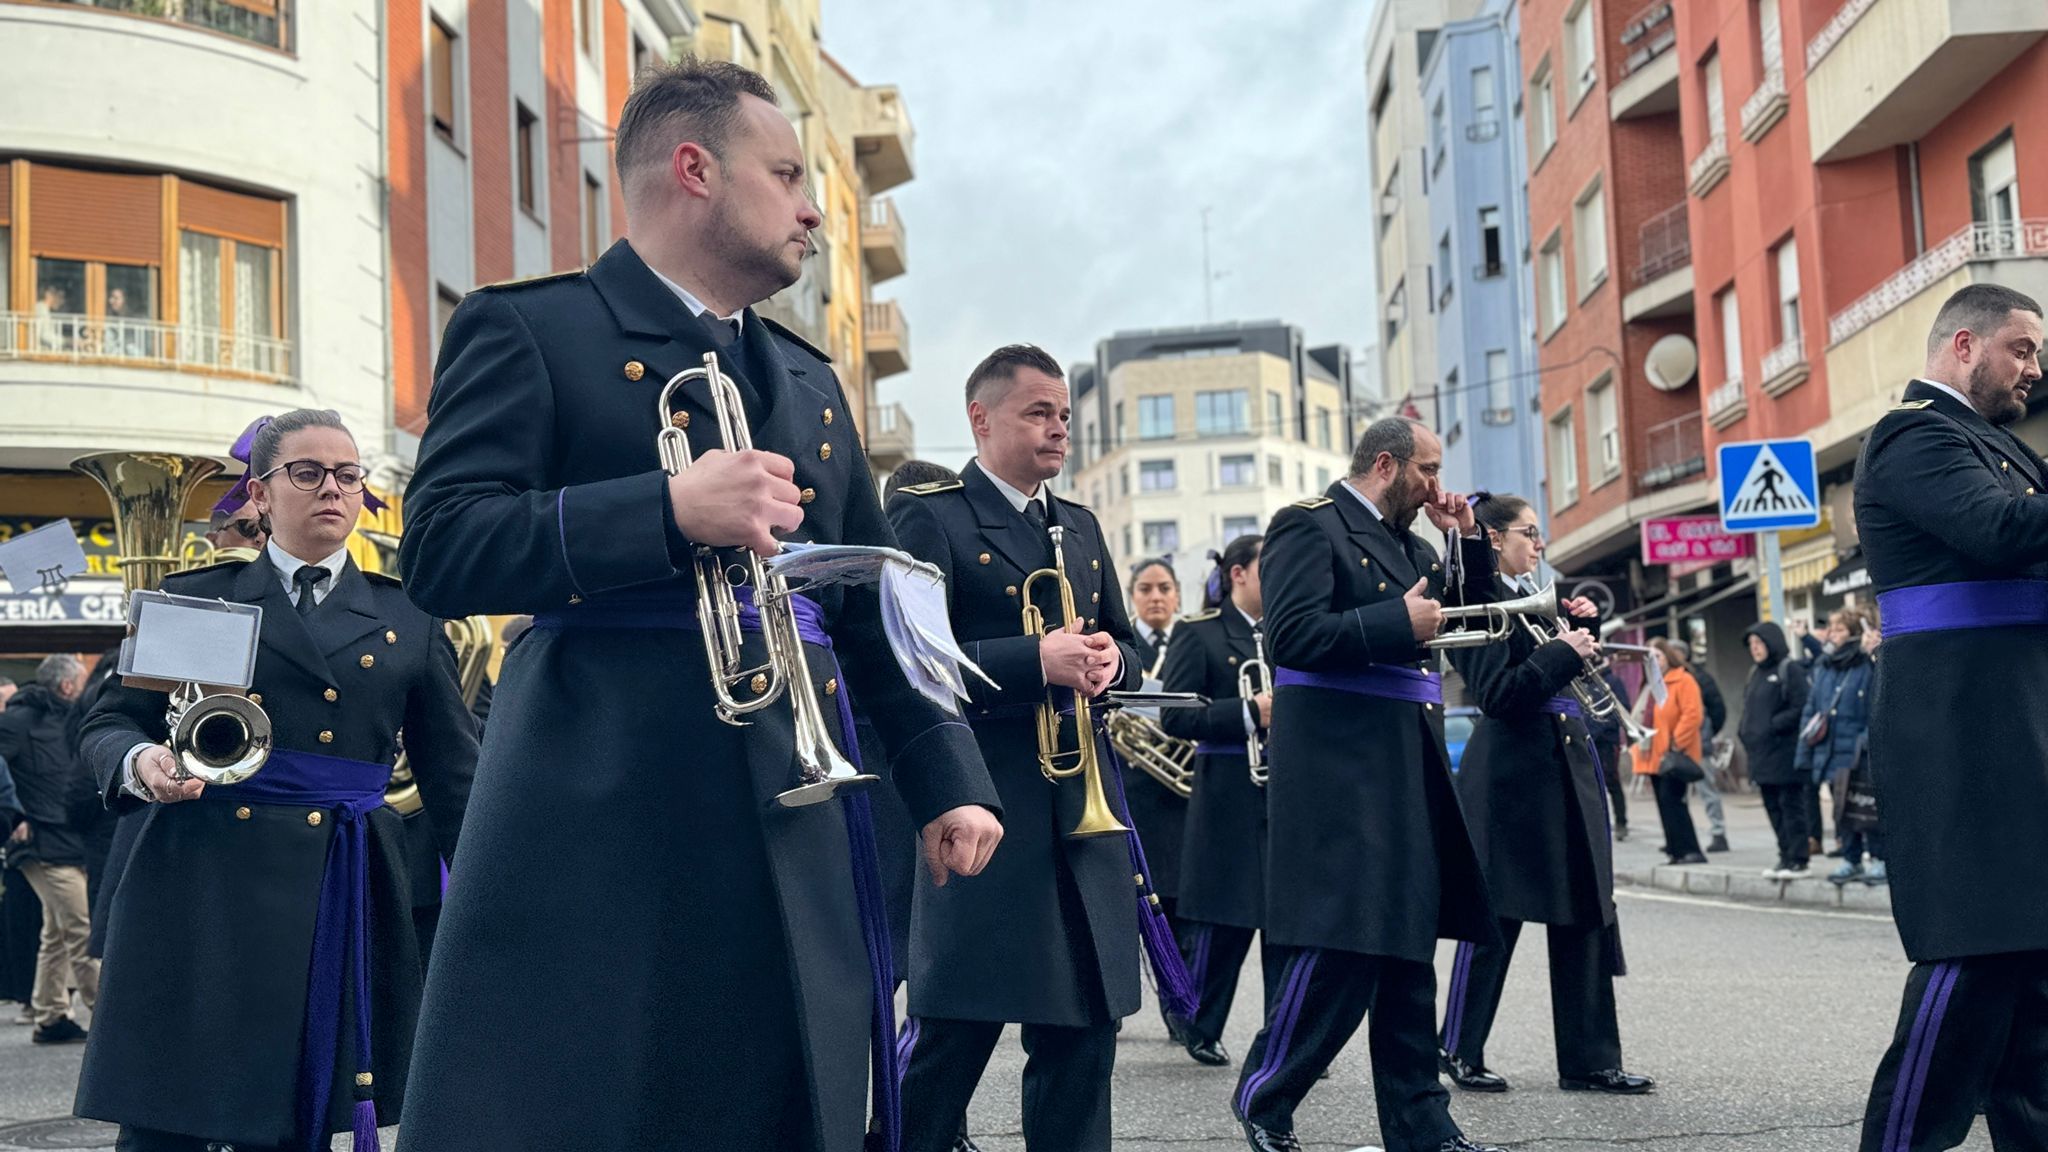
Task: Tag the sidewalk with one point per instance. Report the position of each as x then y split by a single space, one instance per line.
1736 874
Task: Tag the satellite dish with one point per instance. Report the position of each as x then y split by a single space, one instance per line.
1672 362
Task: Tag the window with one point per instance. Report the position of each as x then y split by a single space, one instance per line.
1493 262
1155 418
1161 537
1564 462
1717 109
1438 133
1443 268
1127 541
528 157
1276 471
1482 93
1726 306
1550 284
640 60
1543 101
1995 191
1581 62
1786 258
1155 475
1220 413
1237 471
445 301
1276 424
1770 36
593 222
1500 390
1389 202
1606 427
1322 479
1451 416
1118 409
587 15
1589 237
1323 432
1235 526
6 268
441 69
1123 481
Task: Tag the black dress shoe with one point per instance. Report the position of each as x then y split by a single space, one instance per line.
963 1143
1689 858
1175 1030
1210 1052
1466 1076
1461 1144
1612 1081
1265 1140
1719 844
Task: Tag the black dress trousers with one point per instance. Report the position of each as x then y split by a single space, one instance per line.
1972 1035
1587 1033
1215 955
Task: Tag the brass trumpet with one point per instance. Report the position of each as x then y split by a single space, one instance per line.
1057 763
1497 620
1589 687
1255 678
823 770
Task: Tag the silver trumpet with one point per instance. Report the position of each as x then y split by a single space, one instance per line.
217 738
823 769
1255 678
1590 688
1496 621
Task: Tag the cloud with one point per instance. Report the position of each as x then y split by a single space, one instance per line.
1065 151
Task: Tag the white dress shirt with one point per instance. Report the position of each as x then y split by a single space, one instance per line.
697 307
1960 398
288 565
1017 497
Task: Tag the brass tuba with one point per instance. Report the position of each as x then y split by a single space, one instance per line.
1140 740
475 641
1057 763
218 737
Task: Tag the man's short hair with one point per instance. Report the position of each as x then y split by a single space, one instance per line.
56 671
692 99
916 472
1981 308
999 368
1391 434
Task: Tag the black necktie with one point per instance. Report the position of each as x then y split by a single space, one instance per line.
1035 512
306 577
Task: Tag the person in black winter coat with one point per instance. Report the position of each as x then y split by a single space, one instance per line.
47 846
1772 703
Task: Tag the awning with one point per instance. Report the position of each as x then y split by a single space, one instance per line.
1805 564
1690 600
1851 575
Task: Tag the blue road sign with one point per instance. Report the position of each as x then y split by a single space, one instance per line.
1769 484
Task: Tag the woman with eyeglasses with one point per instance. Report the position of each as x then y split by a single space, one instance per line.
1536 804
262 978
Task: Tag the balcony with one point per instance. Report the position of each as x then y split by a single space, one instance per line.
1661 283
1765 106
882 138
1785 366
1673 451
881 240
1708 168
74 339
1646 70
892 438
888 339
264 22
1978 242
1728 403
1885 72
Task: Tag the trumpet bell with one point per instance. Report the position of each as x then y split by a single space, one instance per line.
221 739
1097 818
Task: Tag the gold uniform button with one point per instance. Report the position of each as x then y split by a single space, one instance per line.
2030 491
635 369
2005 465
1010 590
1231 659
1095 565
368 661
1095 598
1567 741
1436 568
808 495
1429 707
1383 585
759 683
832 687
824 451
679 419
391 637
575 598
326 737
314 818
828 415
1091 621
242 813
1365 561
256 698
983 558
331 695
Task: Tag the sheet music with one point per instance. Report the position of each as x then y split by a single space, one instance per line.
43 559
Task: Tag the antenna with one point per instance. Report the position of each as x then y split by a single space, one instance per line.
1208 278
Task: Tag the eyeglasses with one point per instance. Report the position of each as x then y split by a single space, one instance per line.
1531 531
246 529
1429 470
309 475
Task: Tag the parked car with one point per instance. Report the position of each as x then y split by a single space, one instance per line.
1459 720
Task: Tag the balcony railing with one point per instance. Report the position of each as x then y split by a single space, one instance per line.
1673 451
265 22
2019 239
1785 365
1765 106
1480 131
1663 245
1726 404
142 344
1708 167
1651 34
1837 27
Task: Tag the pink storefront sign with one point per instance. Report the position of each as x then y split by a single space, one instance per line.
1697 541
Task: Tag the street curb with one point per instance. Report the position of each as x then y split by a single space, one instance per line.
1749 888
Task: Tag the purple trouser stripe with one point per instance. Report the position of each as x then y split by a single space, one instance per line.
1200 974
906 1043
1284 1020
1898 1135
1913 1077
1454 1004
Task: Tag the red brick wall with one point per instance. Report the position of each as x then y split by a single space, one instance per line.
618 81
412 290
2013 99
490 142
565 175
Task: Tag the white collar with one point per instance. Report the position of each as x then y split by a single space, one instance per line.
1155 635
697 307
1960 398
1369 505
1014 495
1248 617
287 566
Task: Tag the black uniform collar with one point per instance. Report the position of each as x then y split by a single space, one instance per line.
1003 526
1373 534
284 631
2001 441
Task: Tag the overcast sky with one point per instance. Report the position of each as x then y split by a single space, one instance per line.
1065 150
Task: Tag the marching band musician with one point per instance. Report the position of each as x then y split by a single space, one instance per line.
727 921
1223 874
224 951
1159 814
1368 861
1536 804
1047 936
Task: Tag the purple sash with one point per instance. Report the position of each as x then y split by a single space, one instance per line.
348 790
1566 704
1385 681
886 1076
1221 748
1964 604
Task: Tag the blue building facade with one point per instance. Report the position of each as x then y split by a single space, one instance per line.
1481 284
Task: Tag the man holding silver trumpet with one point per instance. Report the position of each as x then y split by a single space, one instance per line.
621 452
1535 799
1368 862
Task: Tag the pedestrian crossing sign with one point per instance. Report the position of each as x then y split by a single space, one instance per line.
1769 484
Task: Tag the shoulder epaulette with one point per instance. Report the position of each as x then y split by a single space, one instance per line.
1312 502
529 281
929 488
229 562
1198 617
806 345
384 578
1912 405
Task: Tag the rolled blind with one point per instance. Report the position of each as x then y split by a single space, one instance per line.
108 216
249 219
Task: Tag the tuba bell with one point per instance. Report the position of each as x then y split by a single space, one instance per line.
1055 761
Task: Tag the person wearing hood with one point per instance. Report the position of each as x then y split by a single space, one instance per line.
46 845
1772 703
1836 714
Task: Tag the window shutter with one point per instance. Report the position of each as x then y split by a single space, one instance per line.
234 215
106 216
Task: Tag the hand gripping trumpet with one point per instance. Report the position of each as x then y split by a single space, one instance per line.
823 770
1255 678
1056 762
1589 687
1496 621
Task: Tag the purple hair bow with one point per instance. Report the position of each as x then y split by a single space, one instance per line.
244 446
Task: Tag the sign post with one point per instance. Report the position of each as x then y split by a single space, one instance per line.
1767 485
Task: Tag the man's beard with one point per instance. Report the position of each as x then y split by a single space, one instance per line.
1404 500
1994 403
761 268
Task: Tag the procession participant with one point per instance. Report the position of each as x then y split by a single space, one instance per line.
1159 814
